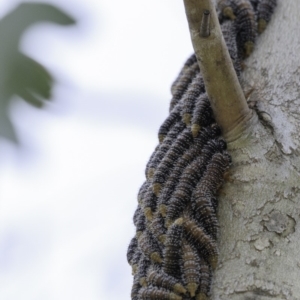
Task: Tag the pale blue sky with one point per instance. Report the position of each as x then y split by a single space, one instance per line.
67 199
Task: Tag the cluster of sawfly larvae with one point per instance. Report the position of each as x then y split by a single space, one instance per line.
174 250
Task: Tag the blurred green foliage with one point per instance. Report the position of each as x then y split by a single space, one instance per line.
19 74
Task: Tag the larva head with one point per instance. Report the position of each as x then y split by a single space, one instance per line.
163 210
201 296
138 234
156 257
161 137
175 297
261 25
143 281
179 221
134 269
178 288
148 213
213 261
187 119
192 288
248 48
162 238
150 173
168 223
156 188
227 176
195 129
228 12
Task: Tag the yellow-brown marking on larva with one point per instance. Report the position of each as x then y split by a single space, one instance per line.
228 176
162 238
192 288
179 221
148 213
187 119
161 138
248 47
178 288
228 12
138 234
213 261
261 25
195 129
156 187
168 222
163 210
156 257
143 281
175 297
150 173
201 296
134 269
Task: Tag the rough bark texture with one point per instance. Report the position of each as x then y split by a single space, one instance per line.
259 208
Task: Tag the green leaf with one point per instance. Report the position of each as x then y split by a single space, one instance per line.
19 74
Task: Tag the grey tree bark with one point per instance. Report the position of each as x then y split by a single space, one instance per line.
259 212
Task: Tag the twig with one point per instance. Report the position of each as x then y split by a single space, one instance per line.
222 86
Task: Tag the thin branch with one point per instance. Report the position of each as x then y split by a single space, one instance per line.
222 86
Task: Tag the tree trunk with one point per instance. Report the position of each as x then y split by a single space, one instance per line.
258 212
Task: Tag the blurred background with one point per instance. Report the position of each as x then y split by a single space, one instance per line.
73 154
